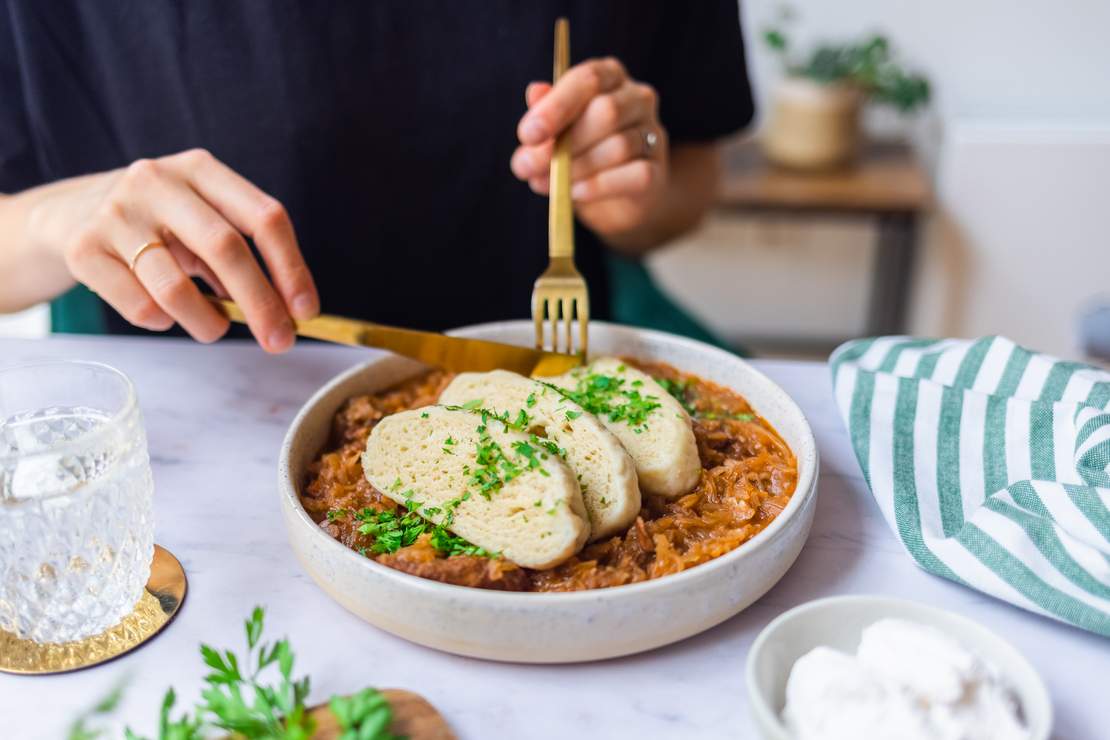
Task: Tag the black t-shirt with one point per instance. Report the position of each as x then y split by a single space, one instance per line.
385 128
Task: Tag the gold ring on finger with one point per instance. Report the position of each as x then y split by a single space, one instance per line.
141 250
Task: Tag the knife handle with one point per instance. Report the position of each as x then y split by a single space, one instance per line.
328 328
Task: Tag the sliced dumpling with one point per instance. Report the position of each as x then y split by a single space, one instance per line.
482 481
649 422
603 467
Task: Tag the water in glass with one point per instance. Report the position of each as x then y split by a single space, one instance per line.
76 527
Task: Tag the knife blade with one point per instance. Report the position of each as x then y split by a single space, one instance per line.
457 354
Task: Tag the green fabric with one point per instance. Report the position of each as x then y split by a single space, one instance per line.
991 463
78 311
638 301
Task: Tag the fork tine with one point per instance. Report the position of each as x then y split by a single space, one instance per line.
583 325
553 307
567 322
537 320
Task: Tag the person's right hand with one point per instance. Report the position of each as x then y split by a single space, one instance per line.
200 209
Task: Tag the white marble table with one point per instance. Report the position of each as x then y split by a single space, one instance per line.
216 416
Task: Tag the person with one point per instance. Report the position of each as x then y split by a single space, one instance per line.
384 160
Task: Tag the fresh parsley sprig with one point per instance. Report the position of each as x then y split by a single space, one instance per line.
237 700
363 716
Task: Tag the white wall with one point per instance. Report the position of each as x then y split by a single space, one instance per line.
1004 60
1019 141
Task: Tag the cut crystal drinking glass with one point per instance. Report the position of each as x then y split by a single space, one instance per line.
76 525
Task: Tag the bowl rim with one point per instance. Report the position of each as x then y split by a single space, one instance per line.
805 489
758 702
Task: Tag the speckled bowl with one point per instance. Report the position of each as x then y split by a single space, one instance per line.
553 627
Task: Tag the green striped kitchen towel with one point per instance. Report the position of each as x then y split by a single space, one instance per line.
991 463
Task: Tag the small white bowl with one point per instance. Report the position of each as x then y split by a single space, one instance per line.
553 627
837 622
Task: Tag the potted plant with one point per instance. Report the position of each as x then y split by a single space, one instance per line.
814 117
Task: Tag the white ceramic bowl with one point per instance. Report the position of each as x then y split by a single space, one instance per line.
837 622
553 627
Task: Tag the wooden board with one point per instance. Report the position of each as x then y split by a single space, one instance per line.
885 177
413 717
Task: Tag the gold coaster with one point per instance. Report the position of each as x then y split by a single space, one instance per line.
165 590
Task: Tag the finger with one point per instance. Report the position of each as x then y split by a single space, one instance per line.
614 150
532 161
175 293
193 265
535 92
104 274
629 105
260 216
568 98
630 179
540 185
206 233
535 161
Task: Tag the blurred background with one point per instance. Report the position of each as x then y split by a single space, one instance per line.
1015 148
985 211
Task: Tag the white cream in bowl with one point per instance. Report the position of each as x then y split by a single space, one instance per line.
838 622
907 681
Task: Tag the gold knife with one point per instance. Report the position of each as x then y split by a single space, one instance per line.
438 350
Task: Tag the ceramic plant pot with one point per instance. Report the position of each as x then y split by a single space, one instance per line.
812 126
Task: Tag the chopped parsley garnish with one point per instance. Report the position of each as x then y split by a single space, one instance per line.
451 544
572 415
448 444
392 531
494 468
531 400
532 455
610 396
472 404
424 415
678 389
334 514
548 445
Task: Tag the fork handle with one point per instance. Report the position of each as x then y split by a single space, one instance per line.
560 226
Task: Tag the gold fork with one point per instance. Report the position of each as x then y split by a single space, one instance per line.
560 292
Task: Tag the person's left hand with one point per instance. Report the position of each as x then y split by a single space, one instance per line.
619 150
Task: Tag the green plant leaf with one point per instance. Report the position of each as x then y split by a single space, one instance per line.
775 39
254 626
249 708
